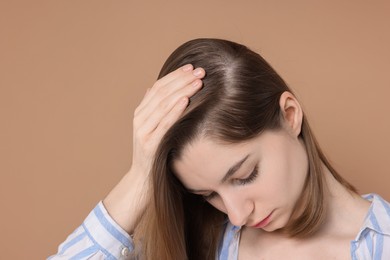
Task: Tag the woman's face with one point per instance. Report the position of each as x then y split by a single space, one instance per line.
256 183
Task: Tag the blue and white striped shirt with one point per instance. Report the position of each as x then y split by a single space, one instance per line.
100 237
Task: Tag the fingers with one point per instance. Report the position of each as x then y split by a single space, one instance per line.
175 80
165 95
169 119
186 68
163 109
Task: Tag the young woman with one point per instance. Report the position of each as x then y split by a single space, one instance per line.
225 166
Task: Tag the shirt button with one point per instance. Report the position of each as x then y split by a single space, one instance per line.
125 251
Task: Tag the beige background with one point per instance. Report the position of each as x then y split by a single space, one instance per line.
72 72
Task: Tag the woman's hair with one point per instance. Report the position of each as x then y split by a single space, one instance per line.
239 100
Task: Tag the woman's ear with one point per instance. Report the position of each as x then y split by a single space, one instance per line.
292 114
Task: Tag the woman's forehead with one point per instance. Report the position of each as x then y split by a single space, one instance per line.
206 153
206 157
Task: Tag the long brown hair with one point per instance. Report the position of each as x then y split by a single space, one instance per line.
238 101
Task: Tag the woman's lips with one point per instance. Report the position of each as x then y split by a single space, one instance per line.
264 222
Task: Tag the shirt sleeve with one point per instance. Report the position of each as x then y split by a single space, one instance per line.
98 237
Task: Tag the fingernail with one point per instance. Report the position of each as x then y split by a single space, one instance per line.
198 72
187 67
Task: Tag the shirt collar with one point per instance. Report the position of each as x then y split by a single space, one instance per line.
378 216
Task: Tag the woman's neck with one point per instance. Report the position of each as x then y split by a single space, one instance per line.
346 210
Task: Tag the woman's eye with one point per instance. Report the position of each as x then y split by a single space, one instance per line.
247 180
250 178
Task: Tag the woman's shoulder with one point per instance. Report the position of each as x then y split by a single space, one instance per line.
373 240
379 206
378 215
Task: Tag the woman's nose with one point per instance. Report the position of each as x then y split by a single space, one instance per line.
238 210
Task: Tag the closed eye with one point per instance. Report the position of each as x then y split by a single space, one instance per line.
250 178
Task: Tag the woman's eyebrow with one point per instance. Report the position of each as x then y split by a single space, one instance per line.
228 174
234 168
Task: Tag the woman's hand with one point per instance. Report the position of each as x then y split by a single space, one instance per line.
160 108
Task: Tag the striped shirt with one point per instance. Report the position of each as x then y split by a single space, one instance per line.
99 237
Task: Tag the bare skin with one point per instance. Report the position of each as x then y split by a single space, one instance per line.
346 213
281 164
161 106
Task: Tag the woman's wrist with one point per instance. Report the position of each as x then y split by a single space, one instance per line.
127 200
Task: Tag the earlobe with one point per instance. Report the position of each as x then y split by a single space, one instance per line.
292 114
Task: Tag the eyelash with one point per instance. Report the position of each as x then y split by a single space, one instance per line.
250 178
245 181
